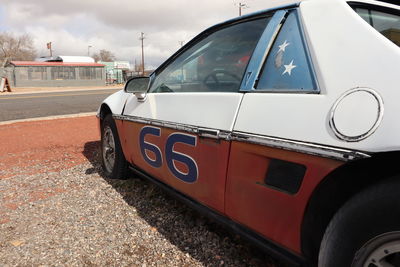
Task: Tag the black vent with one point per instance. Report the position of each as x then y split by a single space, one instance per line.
285 176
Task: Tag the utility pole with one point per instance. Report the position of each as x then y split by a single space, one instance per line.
141 39
49 47
240 8
88 50
137 68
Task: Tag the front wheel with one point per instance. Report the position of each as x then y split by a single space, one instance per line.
365 232
114 163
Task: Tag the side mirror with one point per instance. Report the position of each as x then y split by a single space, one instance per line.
138 86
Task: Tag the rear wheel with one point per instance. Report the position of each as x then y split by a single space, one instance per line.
365 232
114 163
383 250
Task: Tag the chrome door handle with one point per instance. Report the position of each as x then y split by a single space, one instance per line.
210 133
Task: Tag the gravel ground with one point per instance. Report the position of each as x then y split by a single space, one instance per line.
76 217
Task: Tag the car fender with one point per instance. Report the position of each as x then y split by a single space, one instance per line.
115 102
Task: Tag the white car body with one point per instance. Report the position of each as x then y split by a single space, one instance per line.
349 115
340 65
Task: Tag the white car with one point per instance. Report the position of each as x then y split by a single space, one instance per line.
282 124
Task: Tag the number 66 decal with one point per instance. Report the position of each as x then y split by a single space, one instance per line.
170 154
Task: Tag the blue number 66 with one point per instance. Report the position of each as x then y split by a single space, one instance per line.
170 154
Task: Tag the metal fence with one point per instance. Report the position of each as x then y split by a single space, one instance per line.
116 76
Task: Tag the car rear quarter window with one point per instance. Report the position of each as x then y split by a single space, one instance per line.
288 67
388 24
214 64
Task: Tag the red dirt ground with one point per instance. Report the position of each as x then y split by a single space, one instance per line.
26 147
39 147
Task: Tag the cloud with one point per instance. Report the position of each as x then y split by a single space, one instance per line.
73 25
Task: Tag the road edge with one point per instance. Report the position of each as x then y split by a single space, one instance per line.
66 116
60 90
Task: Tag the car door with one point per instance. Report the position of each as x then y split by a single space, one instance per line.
179 133
273 164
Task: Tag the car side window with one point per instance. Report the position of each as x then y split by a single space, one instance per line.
214 64
287 67
385 23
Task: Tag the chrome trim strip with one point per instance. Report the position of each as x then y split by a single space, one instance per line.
302 147
286 144
202 132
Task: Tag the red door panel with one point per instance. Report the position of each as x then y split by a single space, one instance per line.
191 164
274 214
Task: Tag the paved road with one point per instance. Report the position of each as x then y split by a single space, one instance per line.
14 107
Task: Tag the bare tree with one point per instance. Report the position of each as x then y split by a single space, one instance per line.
16 47
104 55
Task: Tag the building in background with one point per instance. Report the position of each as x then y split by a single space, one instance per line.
116 71
67 59
55 71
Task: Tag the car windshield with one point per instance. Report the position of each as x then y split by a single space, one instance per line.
387 24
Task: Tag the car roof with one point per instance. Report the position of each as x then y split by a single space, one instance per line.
287 4
295 3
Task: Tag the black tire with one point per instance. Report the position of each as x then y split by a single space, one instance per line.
367 224
117 169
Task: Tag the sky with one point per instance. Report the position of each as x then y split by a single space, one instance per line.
115 25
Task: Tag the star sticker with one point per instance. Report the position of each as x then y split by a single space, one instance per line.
283 46
288 68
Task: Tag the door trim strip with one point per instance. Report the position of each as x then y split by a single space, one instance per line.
341 154
298 146
201 131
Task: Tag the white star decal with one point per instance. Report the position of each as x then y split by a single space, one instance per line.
288 68
283 46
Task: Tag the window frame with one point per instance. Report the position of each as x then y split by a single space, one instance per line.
56 70
385 9
204 36
377 8
268 50
34 70
94 73
254 16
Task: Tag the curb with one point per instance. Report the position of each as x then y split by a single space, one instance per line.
77 115
59 91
